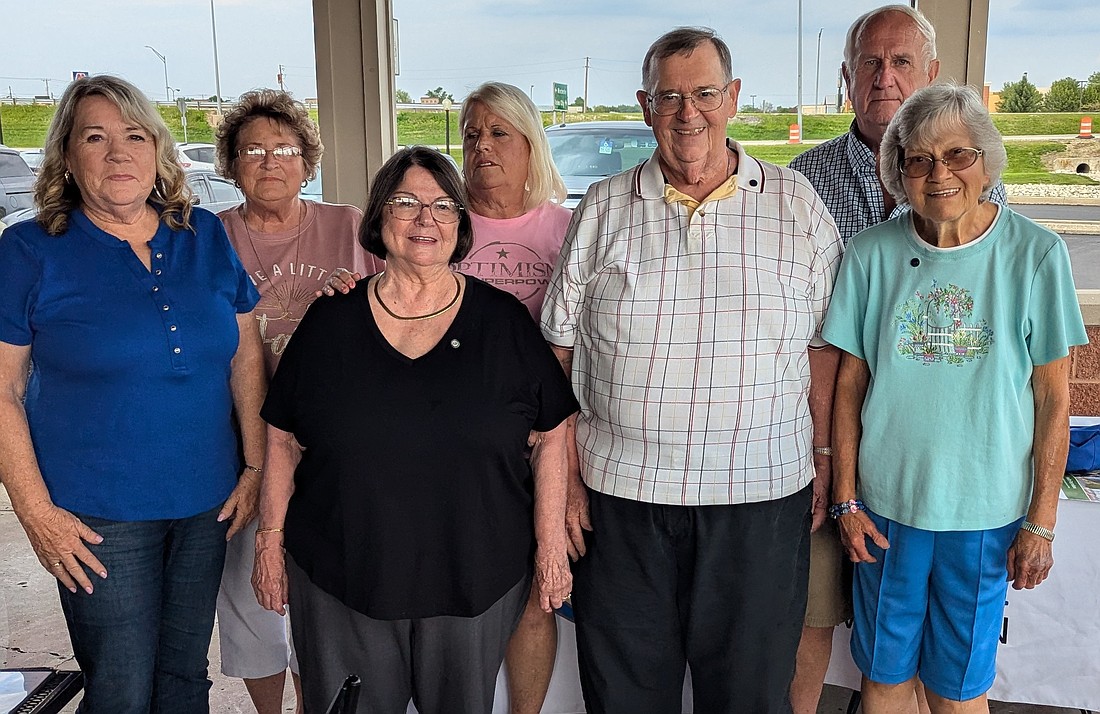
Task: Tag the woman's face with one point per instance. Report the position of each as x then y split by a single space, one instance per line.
112 161
421 242
495 154
272 180
945 196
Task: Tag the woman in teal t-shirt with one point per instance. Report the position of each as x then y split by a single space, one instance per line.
952 404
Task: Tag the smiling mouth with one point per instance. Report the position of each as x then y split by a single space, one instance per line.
690 132
946 193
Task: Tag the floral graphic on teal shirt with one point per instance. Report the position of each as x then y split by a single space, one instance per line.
933 327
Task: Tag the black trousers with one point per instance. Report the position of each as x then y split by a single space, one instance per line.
719 588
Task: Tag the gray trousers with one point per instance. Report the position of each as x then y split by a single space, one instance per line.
444 664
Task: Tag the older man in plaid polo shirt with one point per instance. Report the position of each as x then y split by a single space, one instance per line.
686 307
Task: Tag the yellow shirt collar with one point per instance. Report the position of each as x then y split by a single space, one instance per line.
727 189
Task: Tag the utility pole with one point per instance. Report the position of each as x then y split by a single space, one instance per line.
217 70
753 101
584 108
51 96
800 71
282 87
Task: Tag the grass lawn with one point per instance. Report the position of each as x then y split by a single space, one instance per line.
25 126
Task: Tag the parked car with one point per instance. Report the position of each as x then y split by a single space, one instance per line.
312 189
586 152
195 157
213 192
33 157
16 182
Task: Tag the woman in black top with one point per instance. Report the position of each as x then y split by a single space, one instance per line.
408 511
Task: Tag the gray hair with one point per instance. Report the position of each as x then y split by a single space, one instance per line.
928 113
855 32
683 41
544 183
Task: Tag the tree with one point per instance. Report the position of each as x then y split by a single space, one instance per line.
1064 96
1090 99
440 94
1020 97
578 102
402 97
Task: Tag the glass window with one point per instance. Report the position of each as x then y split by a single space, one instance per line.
13 165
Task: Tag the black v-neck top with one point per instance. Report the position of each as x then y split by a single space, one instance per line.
414 497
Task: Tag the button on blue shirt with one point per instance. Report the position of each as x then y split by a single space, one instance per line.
129 404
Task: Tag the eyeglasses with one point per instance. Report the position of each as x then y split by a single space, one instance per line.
957 159
256 154
706 99
443 210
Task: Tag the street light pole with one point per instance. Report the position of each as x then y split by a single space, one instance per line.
164 61
817 77
447 118
217 71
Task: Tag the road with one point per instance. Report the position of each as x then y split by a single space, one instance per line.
1046 212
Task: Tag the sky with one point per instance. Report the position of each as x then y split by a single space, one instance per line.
529 43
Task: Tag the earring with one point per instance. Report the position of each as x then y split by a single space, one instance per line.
527 187
68 177
305 183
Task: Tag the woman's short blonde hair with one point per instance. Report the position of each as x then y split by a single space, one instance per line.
56 195
277 106
544 183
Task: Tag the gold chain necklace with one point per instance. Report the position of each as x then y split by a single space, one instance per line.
430 315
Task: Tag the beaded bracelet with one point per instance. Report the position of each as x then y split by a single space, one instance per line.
840 509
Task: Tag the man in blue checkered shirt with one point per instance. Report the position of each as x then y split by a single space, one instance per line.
890 53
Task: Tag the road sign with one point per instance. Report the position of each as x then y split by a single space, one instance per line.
561 97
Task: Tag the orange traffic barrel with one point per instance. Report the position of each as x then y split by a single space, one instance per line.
1086 128
796 134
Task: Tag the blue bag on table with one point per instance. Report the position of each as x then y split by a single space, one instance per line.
1084 448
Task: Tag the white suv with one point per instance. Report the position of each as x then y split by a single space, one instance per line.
193 157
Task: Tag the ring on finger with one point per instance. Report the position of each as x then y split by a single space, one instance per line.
55 565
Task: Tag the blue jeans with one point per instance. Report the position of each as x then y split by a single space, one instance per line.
142 636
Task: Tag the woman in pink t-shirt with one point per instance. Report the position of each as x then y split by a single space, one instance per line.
514 194
270 146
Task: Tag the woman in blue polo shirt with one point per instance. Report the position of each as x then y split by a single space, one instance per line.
118 453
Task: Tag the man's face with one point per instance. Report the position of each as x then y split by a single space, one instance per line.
889 65
689 137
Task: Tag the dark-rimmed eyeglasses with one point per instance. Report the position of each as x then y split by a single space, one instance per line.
957 159
405 208
706 99
256 154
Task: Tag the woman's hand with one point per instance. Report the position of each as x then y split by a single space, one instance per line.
243 502
269 580
342 280
553 576
57 538
1030 558
577 520
855 529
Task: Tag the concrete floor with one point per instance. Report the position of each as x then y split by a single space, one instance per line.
32 630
